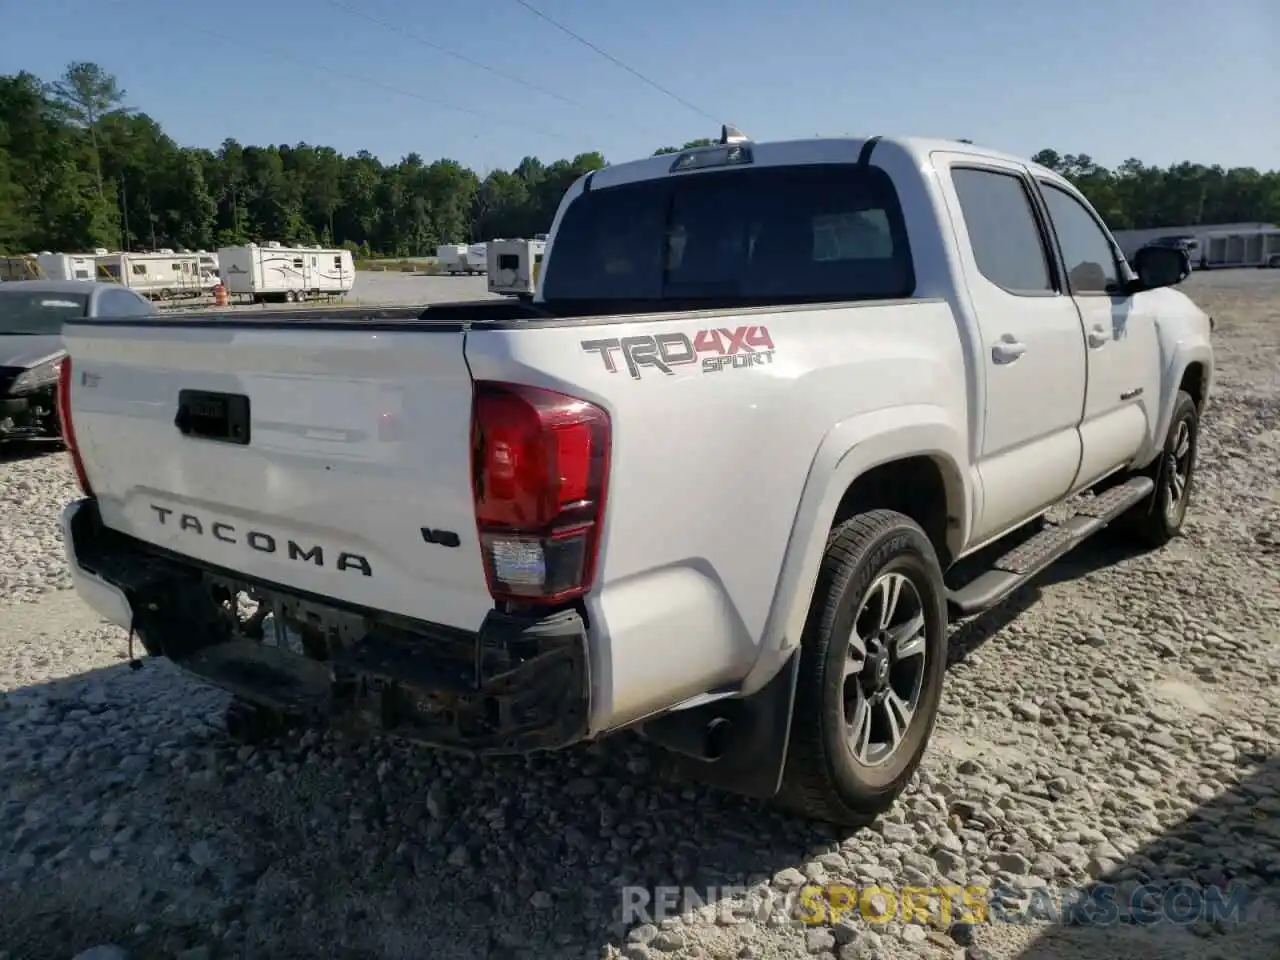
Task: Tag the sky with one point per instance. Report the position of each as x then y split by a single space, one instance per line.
1160 80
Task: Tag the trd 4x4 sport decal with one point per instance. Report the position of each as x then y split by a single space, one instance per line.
717 348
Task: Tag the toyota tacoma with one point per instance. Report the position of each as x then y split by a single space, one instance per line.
776 412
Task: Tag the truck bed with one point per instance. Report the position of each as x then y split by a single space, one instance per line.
459 315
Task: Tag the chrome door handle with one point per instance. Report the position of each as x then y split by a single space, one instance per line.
1007 349
1098 338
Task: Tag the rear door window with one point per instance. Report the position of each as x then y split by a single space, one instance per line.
1006 240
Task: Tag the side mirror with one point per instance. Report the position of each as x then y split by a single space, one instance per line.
1161 267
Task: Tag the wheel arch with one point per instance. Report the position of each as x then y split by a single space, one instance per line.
1195 382
904 458
1190 368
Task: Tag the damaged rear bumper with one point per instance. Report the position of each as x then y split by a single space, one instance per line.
29 416
520 683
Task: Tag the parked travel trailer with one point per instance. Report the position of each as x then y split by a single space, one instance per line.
514 266
459 258
50 266
68 266
20 268
162 275
209 263
272 272
449 254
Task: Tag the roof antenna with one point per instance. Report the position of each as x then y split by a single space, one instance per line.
731 134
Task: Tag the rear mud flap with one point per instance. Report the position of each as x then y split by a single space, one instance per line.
737 745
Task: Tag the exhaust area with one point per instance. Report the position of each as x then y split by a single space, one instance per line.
691 736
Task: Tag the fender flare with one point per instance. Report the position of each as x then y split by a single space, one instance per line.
1183 355
849 450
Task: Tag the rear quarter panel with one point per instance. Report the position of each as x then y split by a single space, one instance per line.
710 464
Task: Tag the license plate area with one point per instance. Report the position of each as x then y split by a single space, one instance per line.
221 417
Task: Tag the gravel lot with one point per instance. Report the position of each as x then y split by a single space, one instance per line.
1119 719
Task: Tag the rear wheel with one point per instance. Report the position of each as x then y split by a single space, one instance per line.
872 661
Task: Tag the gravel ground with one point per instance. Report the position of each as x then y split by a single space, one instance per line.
1118 720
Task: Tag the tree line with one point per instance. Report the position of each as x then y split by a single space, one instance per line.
80 168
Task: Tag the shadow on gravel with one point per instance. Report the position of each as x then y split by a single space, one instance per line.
123 803
1207 889
128 817
1095 554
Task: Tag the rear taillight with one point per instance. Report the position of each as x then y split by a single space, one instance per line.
540 470
63 402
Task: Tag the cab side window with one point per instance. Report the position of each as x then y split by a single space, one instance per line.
1006 240
1088 254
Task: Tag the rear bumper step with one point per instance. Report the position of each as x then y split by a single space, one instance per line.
517 685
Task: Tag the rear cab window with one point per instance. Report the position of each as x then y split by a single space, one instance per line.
829 232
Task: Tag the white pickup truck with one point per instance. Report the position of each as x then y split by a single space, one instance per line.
777 410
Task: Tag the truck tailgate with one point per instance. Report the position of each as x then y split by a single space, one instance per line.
342 475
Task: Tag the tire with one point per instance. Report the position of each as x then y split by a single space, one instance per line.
1158 518
824 780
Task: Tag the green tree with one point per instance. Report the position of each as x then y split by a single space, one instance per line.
78 170
86 94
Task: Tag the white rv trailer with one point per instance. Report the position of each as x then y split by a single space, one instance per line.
22 267
450 256
209 263
477 258
67 266
161 275
458 258
271 272
514 266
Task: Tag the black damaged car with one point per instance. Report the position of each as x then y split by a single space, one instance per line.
31 317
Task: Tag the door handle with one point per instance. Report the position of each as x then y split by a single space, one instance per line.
1098 337
1007 349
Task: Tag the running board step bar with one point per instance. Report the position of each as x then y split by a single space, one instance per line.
1021 564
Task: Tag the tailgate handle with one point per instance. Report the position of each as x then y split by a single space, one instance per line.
223 417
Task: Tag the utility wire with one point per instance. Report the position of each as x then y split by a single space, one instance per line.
538 129
616 62
454 54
